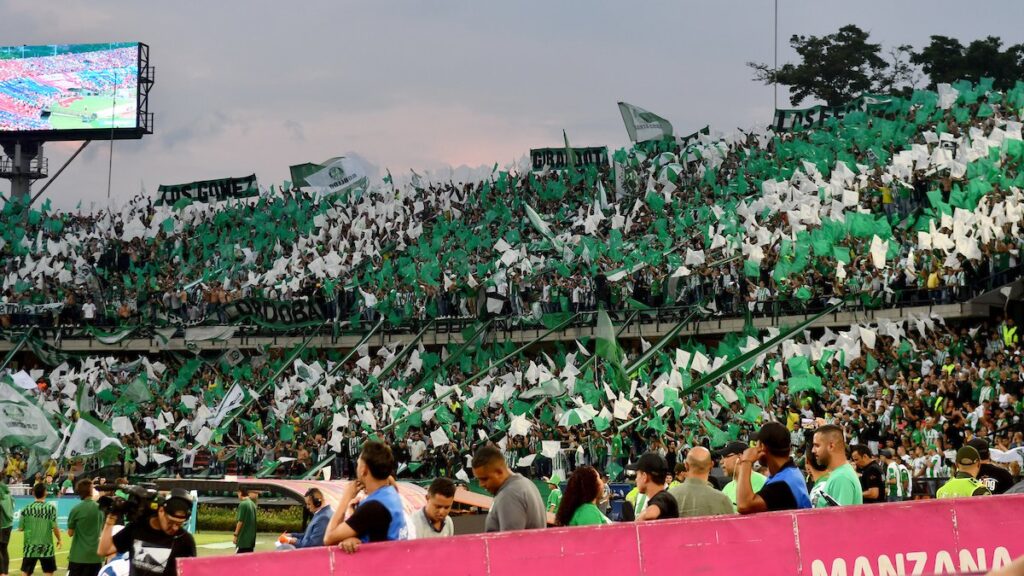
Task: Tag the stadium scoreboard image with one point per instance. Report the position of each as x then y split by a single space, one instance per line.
75 91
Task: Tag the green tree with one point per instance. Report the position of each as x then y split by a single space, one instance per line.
834 68
946 60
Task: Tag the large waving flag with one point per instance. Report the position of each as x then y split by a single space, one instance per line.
643 125
90 436
339 175
22 423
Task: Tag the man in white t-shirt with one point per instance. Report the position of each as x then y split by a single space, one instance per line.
417 448
433 521
88 311
188 459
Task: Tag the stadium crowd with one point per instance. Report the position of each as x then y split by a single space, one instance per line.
916 200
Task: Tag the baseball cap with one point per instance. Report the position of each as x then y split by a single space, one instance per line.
981 445
178 507
775 438
886 453
730 449
652 463
967 456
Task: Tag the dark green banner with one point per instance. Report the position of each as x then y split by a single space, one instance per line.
788 120
556 158
288 314
209 191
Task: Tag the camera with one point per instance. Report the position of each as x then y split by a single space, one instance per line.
137 501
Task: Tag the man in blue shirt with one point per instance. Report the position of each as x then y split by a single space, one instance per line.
785 489
317 527
379 516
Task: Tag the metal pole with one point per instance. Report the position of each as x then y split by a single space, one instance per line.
47 185
113 112
775 85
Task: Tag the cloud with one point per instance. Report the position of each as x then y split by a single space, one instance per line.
255 86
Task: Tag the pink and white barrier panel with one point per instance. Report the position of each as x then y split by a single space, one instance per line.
928 537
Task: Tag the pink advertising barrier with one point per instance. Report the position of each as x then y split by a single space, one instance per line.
926 537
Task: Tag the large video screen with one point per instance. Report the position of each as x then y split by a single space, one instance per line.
69 87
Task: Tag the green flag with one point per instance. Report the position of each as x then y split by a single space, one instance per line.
570 156
608 348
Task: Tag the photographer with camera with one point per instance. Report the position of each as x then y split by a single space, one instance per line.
154 536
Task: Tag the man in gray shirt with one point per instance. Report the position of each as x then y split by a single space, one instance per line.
517 504
695 496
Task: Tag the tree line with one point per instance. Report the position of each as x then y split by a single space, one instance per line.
839 66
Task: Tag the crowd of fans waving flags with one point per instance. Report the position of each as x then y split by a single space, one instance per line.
916 196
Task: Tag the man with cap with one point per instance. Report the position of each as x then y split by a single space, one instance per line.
965 482
651 474
695 496
785 488
729 456
555 496
895 476
155 542
995 478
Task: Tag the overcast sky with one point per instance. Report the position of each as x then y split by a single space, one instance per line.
254 86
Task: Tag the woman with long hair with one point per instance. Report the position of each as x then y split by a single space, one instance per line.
579 503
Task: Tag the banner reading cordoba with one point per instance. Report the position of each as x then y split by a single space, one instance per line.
209 191
294 313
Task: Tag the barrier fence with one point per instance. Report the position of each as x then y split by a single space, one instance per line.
968 535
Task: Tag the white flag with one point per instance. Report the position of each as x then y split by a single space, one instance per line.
22 423
90 437
643 125
233 399
339 175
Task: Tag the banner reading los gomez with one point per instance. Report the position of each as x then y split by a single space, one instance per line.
209 191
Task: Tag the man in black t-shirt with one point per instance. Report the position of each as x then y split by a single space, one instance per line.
651 474
872 482
156 542
998 480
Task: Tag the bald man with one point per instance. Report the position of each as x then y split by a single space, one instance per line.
696 496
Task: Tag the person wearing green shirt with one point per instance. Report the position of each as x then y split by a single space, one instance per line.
818 475
965 482
842 487
68 485
728 457
6 523
245 523
85 522
895 482
39 523
555 496
578 507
